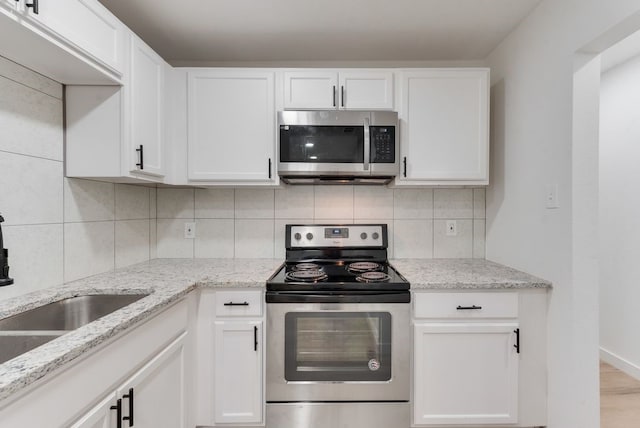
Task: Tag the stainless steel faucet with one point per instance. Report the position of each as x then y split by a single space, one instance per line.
4 260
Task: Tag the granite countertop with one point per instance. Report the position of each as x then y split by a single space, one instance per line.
464 274
167 280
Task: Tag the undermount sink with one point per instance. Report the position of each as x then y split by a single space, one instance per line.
12 345
27 330
68 314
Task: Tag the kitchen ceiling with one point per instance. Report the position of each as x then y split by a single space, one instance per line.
328 30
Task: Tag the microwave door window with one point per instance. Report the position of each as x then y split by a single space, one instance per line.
322 144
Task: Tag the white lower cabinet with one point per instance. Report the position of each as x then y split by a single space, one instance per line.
101 416
230 385
153 397
466 373
143 372
479 358
238 371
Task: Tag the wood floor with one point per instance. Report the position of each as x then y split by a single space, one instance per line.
619 399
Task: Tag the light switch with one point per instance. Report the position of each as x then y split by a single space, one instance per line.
552 196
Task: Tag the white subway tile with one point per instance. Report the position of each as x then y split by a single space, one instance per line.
333 202
88 249
459 246
372 202
132 242
175 203
453 203
171 241
413 203
31 122
31 79
215 203
479 203
35 256
412 239
153 203
153 238
214 238
254 203
254 239
87 200
293 202
479 239
132 202
32 190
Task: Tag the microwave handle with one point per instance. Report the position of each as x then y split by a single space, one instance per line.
367 144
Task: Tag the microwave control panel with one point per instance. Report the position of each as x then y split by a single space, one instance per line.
383 144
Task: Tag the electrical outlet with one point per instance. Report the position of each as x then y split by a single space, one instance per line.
452 228
189 230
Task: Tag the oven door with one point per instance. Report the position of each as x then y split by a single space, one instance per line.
337 352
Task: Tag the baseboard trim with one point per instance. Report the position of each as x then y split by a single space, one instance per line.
620 363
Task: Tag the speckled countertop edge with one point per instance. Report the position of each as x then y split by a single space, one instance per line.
168 280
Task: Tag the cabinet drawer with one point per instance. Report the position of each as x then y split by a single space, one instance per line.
238 303
466 305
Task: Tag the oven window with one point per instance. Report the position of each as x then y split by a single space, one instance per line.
322 144
338 346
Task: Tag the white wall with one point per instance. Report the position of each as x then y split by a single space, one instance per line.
533 144
250 223
620 216
57 229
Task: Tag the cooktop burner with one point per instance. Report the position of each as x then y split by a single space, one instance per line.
306 275
306 266
363 267
336 259
373 277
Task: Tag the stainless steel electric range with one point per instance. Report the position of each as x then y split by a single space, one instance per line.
337 331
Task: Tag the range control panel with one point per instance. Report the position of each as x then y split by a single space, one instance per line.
322 236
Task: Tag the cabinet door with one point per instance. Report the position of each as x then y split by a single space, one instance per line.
444 117
465 374
238 371
101 416
366 90
231 126
310 90
146 110
155 395
86 24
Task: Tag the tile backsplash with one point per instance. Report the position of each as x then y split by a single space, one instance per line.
58 229
250 223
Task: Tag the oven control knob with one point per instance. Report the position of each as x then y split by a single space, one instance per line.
363 235
309 236
375 236
297 236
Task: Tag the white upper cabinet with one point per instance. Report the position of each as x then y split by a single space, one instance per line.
70 41
231 126
146 84
444 120
329 90
117 132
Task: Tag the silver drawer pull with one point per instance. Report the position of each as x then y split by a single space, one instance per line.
236 304
468 308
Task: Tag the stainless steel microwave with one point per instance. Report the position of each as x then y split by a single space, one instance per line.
359 147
